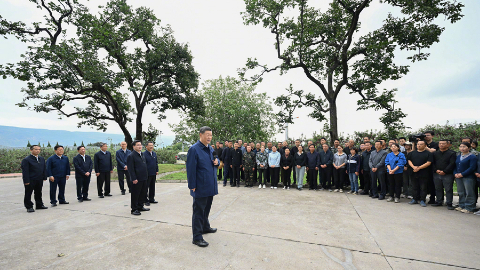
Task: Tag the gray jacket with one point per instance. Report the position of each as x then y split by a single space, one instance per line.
377 159
339 160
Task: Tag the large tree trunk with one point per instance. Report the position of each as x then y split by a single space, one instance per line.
139 125
128 137
333 122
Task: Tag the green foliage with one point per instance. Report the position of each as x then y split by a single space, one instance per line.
49 145
454 132
233 110
166 156
102 61
151 134
28 144
329 48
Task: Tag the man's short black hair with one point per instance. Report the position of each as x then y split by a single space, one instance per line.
229 141
379 141
101 145
149 142
203 129
78 148
422 141
431 132
467 138
443 140
323 138
57 146
402 138
311 145
336 140
33 146
135 142
368 142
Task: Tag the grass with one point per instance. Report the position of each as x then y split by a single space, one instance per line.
163 168
175 176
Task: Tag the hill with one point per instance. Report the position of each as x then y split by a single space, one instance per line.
19 137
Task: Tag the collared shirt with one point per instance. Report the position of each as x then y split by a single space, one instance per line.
36 157
60 157
83 156
104 152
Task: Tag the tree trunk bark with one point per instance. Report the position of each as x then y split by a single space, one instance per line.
139 125
333 122
128 137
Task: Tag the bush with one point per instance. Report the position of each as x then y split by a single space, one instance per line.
166 156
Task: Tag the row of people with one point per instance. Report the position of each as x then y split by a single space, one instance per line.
411 170
138 169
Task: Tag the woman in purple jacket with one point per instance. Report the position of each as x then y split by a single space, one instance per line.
464 172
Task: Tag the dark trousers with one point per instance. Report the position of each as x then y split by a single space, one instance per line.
407 184
138 195
367 181
150 191
346 179
226 174
242 174
274 175
83 182
267 175
362 181
312 178
378 177
419 186
121 175
104 177
236 175
431 185
261 176
255 174
294 175
444 182
339 177
326 177
60 182
219 174
395 184
286 177
201 210
34 186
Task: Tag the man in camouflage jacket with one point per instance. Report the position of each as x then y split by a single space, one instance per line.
249 166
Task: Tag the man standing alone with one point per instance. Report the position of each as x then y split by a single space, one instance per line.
103 169
202 183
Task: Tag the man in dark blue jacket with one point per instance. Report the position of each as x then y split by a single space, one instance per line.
122 168
58 171
103 168
227 161
312 167
34 172
137 168
83 172
202 183
326 161
152 167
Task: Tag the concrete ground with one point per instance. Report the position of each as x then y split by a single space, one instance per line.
257 229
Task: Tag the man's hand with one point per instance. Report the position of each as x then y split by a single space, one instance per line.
261 166
243 169
135 181
323 166
356 173
316 168
156 173
374 169
416 169
253 169
97 174
126 168
111 171
52 179
231 166
68 176
441 173
215 162
193 189
298 166
26 184
391 172
307 169
87 174
477 175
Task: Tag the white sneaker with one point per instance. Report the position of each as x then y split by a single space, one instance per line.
271 187
275 187
477 213
284 187
341 191
288 187
260 186
263 186
349 192
336 190
397 200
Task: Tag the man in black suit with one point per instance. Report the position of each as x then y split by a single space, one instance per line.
103 168
34 172
83 171
137 167
152 167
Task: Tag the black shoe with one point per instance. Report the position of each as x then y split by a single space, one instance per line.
144 209
64 202
432 201
101 196
363 193
381 198
30 210
123 192
200 243
147 203
54 204
41 207
436 204
224 185
108 195
211 230
80 200
375 197
450 207
87 199
153 201
136 213
129 191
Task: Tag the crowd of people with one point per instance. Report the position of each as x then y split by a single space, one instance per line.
392 170
138 169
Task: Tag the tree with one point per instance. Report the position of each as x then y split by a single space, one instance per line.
28 144
151 134
82 144
74 144
38 144
328 48
102 61
233 110
49 145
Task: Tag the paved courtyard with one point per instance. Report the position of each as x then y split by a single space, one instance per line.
257 229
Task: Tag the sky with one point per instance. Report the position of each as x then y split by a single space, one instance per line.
443 88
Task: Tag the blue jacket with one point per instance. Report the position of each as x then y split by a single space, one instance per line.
394 161
33 170
103 162
201 173
326 158
353 163
82 167
121 158
313 160
152 163
274 159
467 166
57 167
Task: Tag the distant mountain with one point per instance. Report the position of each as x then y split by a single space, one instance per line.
19 137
